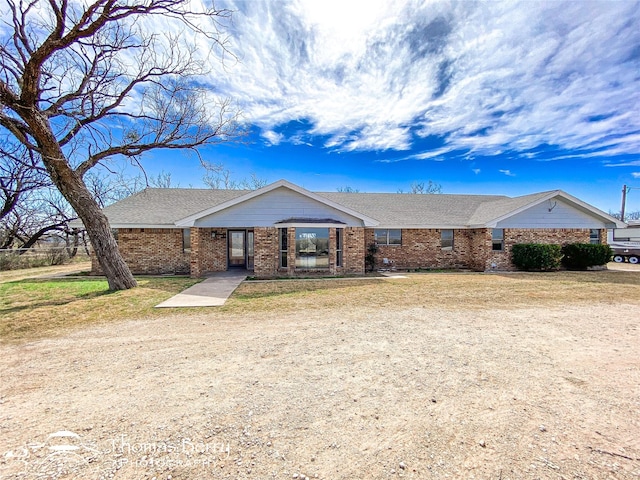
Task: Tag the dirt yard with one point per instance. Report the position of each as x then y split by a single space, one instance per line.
435 376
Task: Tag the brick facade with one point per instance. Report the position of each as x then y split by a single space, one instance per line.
560 236
267 253
267 248
354 251
160 251
421 248
150 251
208 250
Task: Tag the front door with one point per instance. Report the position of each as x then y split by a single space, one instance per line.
237 256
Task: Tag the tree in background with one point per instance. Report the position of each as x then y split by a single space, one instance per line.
422 188
85 84
347 189
217 176
627 215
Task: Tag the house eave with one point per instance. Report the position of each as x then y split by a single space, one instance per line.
144 225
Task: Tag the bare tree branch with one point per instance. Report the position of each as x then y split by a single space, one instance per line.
85 83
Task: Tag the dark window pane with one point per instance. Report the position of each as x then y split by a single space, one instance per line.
395 237
497 239
446 239
186 239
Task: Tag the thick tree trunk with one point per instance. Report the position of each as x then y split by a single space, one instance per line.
97 226
72 187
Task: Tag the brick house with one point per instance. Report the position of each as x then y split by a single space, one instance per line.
285 230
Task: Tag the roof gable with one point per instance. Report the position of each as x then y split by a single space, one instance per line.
249 198
534 212
161 207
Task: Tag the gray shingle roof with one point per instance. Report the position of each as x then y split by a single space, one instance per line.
407 210
165 206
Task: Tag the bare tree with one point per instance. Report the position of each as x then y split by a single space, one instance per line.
19 175
217 176
421 188
86 83
627 216
347 189
39 213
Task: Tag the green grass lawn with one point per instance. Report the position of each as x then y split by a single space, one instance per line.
34 308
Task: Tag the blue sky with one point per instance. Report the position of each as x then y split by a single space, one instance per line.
493 97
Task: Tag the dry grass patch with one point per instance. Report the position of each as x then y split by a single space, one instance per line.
35 308
442 290
20 274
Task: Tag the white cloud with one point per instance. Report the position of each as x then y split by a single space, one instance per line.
508 76
476 170
635 174
508 173
272 137
630 163
431 154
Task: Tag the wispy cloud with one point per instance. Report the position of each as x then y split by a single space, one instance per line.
508 173
486 78
476 170
635 174
272 137
630 163
436 154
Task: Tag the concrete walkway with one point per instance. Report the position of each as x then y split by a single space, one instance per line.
211 292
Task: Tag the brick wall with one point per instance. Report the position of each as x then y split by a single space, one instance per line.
267 253
150 251
479 248
560 236
421 248
354 250
266 248
160 251
208 251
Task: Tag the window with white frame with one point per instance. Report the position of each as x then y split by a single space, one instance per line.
594 236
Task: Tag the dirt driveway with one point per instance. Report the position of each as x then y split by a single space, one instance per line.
334 390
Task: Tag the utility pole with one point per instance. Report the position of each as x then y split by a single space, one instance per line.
624 201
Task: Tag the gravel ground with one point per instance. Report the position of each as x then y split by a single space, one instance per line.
341 393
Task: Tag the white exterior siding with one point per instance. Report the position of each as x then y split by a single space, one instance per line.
555 213
272 207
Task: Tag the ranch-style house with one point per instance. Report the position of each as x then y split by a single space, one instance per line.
285 230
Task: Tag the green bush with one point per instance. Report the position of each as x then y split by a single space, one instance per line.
536 256
580 256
